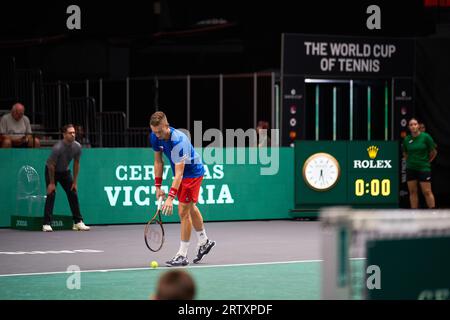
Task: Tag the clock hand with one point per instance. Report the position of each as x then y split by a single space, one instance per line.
321 177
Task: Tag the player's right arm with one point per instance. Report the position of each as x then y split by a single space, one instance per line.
51 165
158 166
404 151
3 129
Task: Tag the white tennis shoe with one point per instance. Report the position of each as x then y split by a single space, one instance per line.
80 226
47 228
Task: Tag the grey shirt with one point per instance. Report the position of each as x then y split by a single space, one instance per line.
16 129
62 154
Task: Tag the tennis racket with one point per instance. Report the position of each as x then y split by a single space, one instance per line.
154 230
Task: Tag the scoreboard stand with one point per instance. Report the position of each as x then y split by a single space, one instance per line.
358 174
304 213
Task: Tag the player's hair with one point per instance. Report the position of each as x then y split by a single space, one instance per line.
15 105
67 126
158 118
414 118
175 285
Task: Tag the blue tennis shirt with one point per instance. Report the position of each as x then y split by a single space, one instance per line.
179 149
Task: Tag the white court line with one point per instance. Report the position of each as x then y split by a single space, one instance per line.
15 253
166 268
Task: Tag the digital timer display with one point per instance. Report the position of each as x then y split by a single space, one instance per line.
374 188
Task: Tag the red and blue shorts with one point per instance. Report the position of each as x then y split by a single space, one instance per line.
189 189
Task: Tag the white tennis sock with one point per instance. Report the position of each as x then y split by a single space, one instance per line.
202 238
184 245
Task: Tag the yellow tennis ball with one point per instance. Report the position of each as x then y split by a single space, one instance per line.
154 264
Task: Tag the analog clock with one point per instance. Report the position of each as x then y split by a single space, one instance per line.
321 171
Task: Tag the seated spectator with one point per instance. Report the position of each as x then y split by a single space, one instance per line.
175 285
262 130
15 129
422 127
81 137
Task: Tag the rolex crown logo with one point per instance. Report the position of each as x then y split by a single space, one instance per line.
372 151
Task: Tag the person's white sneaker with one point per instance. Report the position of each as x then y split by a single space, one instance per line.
47 228
80 226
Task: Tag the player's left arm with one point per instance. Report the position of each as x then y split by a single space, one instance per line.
432 147
168 204
433 154
76 169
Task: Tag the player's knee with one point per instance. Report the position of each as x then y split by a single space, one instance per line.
184 211
73 194
34 143
412 192
51 195
427 193
185 217
6 143
184 214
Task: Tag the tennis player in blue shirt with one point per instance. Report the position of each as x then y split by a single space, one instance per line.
188 171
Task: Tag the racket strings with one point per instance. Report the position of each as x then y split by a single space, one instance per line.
154 235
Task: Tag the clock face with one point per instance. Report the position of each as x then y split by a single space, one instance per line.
321 171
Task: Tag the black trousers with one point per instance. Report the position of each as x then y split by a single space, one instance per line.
65 179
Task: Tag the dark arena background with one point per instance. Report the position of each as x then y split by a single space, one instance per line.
328 83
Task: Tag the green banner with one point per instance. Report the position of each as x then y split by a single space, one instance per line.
117 186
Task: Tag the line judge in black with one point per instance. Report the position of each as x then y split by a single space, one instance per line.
57 170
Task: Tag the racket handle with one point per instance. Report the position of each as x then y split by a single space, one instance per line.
160 201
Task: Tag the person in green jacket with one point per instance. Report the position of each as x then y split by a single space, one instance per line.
419 150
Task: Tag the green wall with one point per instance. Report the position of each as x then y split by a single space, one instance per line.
116 186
